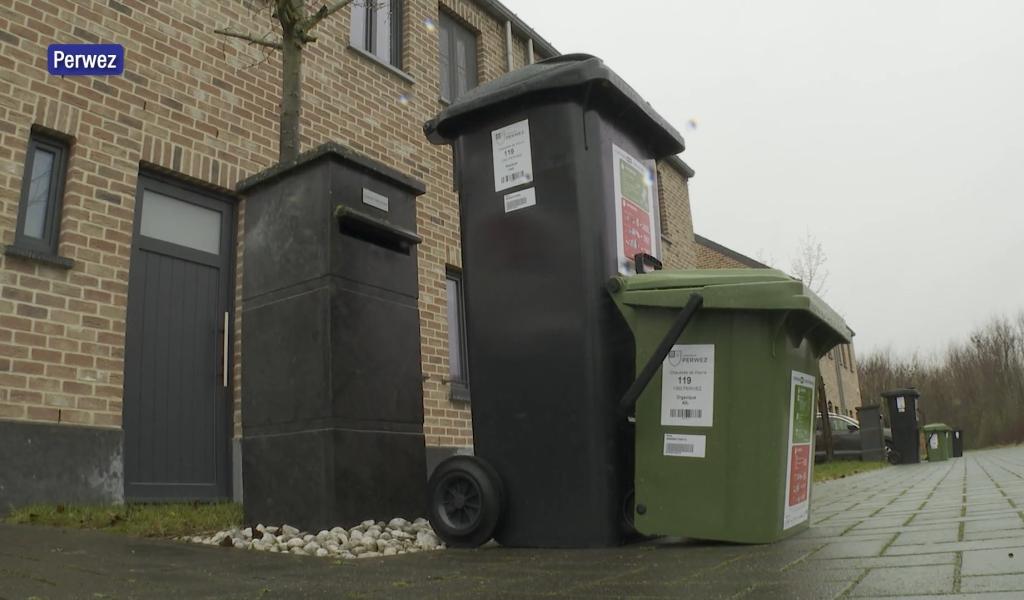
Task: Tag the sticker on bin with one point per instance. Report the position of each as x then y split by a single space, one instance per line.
635 208
520 199
513 160
798 471
933 441
901 404
692 446
688 386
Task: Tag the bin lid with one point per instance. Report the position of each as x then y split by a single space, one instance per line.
734 289
905 392
559 73
937 427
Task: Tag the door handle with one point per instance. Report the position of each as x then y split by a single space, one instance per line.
224 366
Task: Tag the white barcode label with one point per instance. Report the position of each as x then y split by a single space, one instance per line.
688 386
513 178
513 158
685 413
520 199
693 446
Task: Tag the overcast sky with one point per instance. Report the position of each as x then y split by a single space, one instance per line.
892 130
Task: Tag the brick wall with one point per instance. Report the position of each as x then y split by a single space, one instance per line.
678 247
707 258
205 107
847 399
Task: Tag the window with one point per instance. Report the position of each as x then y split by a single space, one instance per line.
172 220
41 191
841 425
377 29
457 48
458 365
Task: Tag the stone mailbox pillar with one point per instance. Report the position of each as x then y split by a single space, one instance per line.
332 393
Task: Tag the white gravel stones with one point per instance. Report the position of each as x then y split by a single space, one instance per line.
367 540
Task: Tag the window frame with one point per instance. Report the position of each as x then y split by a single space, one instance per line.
368 41
443 19
48 244
845 420
458 389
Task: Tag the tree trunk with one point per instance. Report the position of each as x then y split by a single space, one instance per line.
291 95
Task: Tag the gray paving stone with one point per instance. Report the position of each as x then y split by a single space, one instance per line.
994 583
928 536
993 562
808 589
852 549
813 570
992 535
954 546
998 524
874 562
880 523
906 580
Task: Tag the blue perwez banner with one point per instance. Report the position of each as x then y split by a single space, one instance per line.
85 59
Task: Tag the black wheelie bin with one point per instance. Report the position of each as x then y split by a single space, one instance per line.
556 174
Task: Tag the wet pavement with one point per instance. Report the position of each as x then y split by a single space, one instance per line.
952 529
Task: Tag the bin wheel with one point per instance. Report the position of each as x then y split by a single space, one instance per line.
466 501
891 454
629 513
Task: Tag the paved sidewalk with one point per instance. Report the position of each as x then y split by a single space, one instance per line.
950 529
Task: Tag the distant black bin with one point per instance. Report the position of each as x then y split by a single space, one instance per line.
872 435
555 168
958 442
902 407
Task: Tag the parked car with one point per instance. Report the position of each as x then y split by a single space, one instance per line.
845 438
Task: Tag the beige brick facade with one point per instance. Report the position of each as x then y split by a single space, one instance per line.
204 108
838 367
842 385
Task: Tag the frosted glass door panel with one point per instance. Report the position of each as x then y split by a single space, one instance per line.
182 223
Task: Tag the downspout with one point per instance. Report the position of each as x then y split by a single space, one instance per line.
529 50
839 380
508 46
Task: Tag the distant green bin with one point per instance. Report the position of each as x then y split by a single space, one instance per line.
938 441
725 428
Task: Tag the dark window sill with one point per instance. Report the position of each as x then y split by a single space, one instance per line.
43 257
386 66
458 393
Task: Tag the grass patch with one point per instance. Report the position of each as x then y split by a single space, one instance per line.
837 469
147 520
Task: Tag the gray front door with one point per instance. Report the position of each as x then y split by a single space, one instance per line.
176 390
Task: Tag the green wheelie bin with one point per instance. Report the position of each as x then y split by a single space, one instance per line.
724 400
938 441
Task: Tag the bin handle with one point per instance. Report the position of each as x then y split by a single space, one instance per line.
628 403
642 258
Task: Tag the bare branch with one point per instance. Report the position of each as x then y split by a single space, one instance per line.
325 11
252 39
809 264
